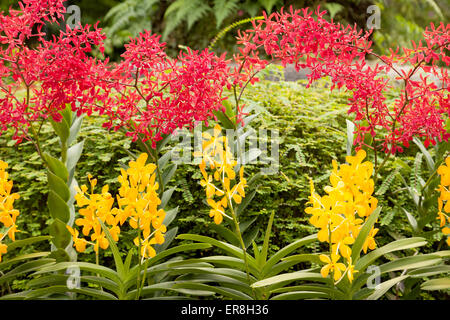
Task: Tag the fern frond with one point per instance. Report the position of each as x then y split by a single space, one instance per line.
225 30
130 14
186 193
119 9
387 182
223 8
436 8
184 10
269 4
416 173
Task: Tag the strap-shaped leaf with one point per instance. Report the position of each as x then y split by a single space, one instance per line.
102 295
10 262
226 234
383 287
177 249
27 242
232 262
87 266
428 157
409 263
166 197
237 252
115 251
350 136
363 233
168 173
265 247
436 284
300 295
398 245
291 277
25 268
226 292
169 236
287 250
245 202
329 290
429 271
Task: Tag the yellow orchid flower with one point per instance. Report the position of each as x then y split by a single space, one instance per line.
332 265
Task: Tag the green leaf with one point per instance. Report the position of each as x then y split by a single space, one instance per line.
250 236
26 242
162 161
436 284
428 158
58 186
115 251
265 247
285 251
25 268
331 292
333 8
225 122
363 233
226 233
10 262
63 289
67 114
397 245
238 252
162 143
235 263
169 236
75 129
168 173
418 261
291 277
412 221
62 129
50 280
245 202
382 288
429 271
195 287
244 225
169 286
60 255
73 155
57 167
91 267
298 258
350 136
57 207
166 197
180 248
300 295
61 236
